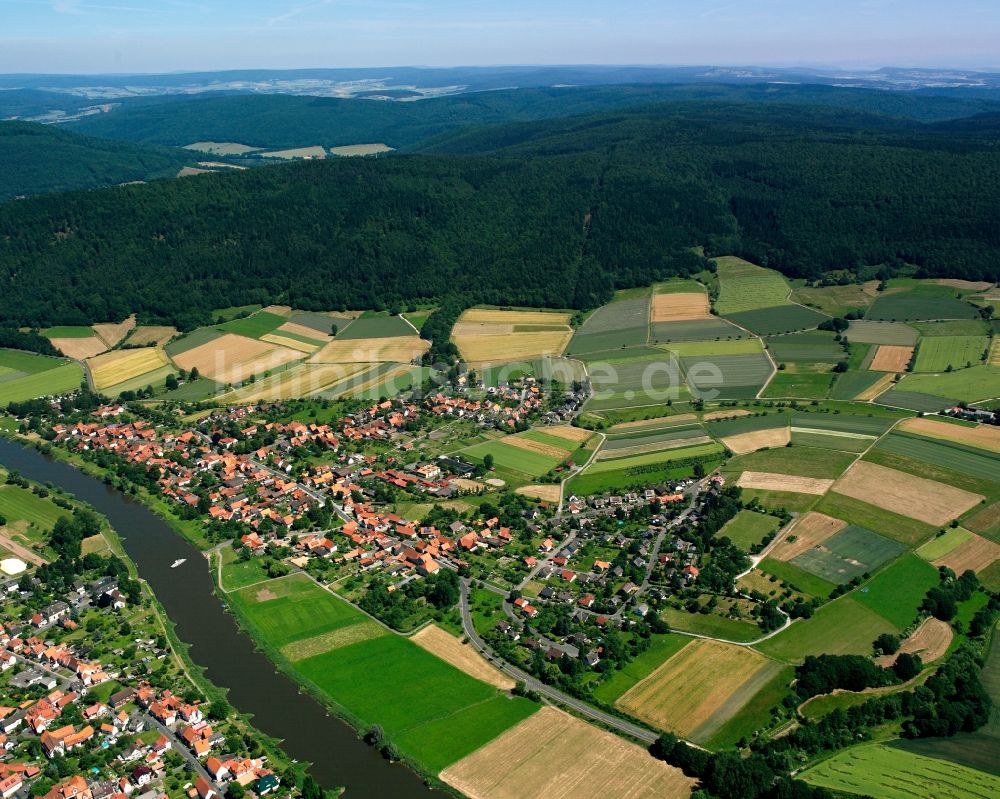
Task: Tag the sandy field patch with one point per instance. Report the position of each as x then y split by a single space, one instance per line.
79 348
335 639
977 553
744 443
930 640
549 450
152 334
726 414
876 388
693 685
232 358
111 334
982 435
768 481
680 307
810 530
462 656
552 755
905 494
577 434
515 317
398 349
298 381
484 349
302 330
653 446
292 343
121 365
546 493
891 358
659 421
361 149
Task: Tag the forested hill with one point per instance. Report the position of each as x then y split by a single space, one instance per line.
556 213
35 159
281 121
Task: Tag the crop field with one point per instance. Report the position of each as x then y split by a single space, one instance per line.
79 348
818 439
377 327
192 340
352 150
680 307
795 578
335 639
973 385
905 494
911 532
778 319
484 336
710 349
653 446
794 461
233 358
748 528
120 366
853 385
463 657
920 305
970 462
746 287
913 400
744 443
640 667
255 326
837 300
221 147
891 773
841 627
864 331
525 457
637 382
156 335
986 521
930 641
575 434
552 755
981 436
314 151
292 341
609 476
698 689
896 592
868 425
891 358
398 349
800 385
302 380
711 625
976 553
634 437
111 333
848 554
730 376
317 323
21 505
712 329
384 380
734 422
624 323
816 347
809 531
958 327
937 354
68 331
694 451
769 481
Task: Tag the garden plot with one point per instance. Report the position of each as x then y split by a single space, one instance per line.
905 494
891 358
848 554
809 531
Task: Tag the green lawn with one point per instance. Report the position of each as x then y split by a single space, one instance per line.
18 503
748 528
711 624
896 592
662 648
239 574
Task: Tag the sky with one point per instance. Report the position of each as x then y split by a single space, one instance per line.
94 36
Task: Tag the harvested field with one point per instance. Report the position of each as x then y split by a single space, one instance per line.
79 348
891 358
552 755
304 330
809 531
462 656
121 365
963 285
111 333
577 434
551 492
784 482
315 151
539 447
291 343
930 640
659 421
651 446
870 393
299 381
469 485
488 349
905 494
745 443
993 359
395 349
680 307
695 685
977 554
221 147
152 334
232 358
379 378
515 317
982 436
350 150
892 333
727 414
335 639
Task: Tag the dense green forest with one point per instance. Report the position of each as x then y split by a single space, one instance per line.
287 121
35 159
549 213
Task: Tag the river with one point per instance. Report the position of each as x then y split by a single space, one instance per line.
308 731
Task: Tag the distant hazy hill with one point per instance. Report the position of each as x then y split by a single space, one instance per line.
280 121
36 159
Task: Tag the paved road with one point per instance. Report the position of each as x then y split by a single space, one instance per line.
531 683
181 749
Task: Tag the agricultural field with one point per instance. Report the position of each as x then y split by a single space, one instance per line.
636 381
653 441
802 385
837 300
522 454
493 336
809 531
973 385
847 554
621 323
463 657
113 333
957 464
794 461
769 481
698 689
221 147
910 400
314 151
864 331
747 287
906 530
25 376
795 578
302 380
940 353
712 349
257 325
79 348
891 358
908 301
122 366
353 150
396 349
152 335
749 528
745 443
905 494
233 358
377 326
961 550
890 773
728 376
957 327
662 648
980 436
711 329
814 347
780 319
930 641
896 592
716 624
578 761
612 475
679 306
